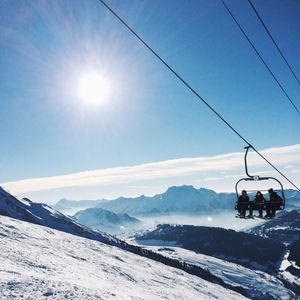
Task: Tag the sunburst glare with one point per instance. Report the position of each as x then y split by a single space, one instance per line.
94 89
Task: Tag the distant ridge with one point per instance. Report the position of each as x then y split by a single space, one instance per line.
184 199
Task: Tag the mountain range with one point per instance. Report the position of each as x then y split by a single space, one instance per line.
45 253
177 199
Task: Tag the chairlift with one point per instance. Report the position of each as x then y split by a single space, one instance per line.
256 178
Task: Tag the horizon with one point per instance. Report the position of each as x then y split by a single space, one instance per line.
218 173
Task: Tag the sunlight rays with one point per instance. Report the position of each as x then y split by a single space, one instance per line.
94 89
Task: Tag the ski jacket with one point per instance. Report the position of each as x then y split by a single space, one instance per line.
275 198
243 199
259 199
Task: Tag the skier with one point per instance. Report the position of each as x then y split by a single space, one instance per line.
242 204
273 204
258 203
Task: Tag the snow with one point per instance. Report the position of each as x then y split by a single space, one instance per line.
277 228
39 263
258 284
285 262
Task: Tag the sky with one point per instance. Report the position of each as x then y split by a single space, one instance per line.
150 132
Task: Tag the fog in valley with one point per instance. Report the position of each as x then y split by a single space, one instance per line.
224 219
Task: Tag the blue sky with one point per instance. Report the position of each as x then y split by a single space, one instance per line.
47 46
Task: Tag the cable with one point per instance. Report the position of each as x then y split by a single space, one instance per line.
263 61
193 91
274 42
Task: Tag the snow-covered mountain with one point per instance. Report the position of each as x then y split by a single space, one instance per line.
41 214
102 219
178 200
41 263
183 199
65 260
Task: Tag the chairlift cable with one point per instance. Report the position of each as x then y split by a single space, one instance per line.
274 167
274 42
261 58
192 90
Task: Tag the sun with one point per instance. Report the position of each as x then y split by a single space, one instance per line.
94 89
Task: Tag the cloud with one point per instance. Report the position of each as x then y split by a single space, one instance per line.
213 167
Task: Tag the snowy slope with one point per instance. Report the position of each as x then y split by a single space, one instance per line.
24 209
259 285
37 262
39 213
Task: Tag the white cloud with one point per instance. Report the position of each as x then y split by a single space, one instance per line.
217 167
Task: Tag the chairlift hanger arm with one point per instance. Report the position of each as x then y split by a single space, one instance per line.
245 161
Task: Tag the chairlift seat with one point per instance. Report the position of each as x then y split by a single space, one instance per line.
278 205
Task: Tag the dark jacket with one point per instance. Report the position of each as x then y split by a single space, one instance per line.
259 199
274 197
243 199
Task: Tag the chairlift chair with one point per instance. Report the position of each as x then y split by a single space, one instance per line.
256 178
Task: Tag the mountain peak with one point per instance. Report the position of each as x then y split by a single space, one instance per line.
180 188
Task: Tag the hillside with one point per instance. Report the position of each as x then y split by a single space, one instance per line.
246 249
285 228
41 214
259 285
37 262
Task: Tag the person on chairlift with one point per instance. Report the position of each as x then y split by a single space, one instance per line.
273 204
258 203
242 203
